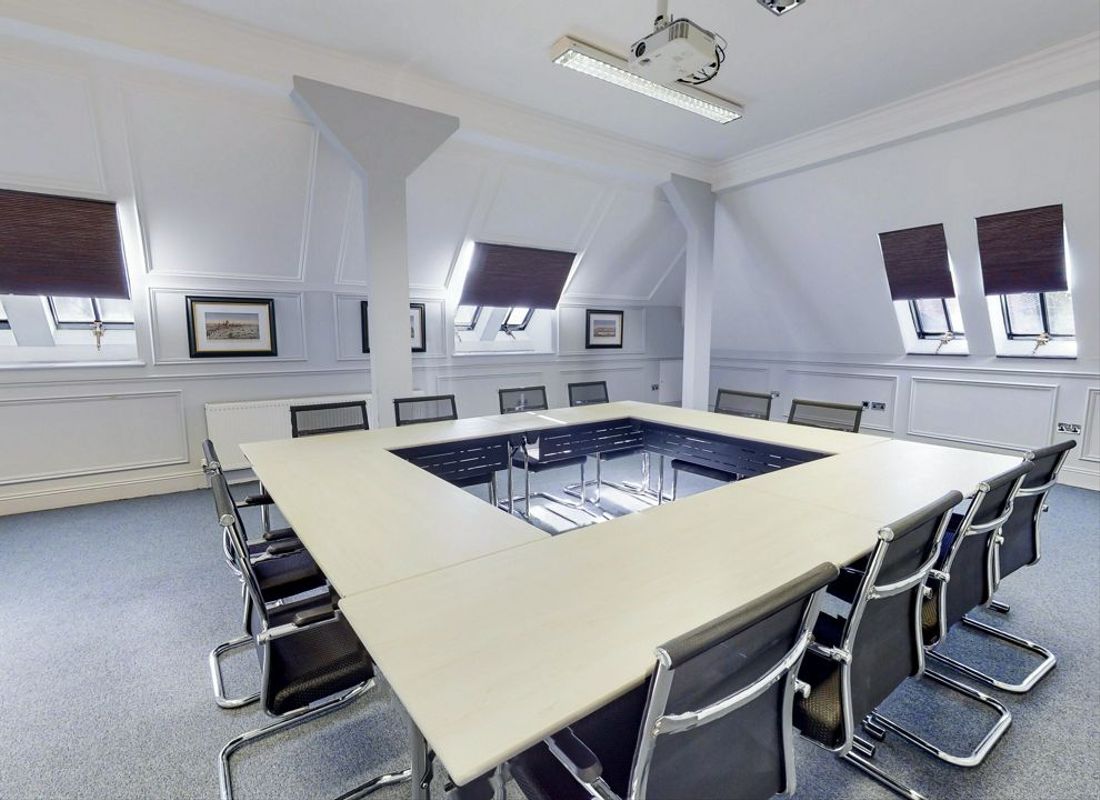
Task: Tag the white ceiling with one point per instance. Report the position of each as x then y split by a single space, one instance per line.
823 62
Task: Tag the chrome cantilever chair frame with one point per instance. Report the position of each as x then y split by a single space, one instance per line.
881 723
657 723
1049 660
580 505
297 716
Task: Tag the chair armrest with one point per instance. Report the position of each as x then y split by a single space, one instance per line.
278 534
575 756
284 547
831 653
303 620
314 615
261 499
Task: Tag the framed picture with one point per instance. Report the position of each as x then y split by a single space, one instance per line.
228 327
603 329
418 338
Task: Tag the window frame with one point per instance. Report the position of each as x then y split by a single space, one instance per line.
5 321
473 320
83 326
1044 317
918 325
506 328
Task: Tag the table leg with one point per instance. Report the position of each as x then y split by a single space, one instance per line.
420 785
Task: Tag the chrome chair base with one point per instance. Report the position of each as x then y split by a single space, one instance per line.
978 754
860 757
1000 607
241 641
1048 663
291 720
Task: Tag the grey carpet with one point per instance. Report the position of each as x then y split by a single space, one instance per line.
107 613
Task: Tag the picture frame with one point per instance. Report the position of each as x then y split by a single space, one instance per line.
418 338
231 327
603 329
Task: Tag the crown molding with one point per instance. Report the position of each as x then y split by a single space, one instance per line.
186 41
1065 68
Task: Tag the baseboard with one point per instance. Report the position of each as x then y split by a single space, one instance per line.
100 492
1081 478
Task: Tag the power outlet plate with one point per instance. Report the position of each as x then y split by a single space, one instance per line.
1069 427
878 406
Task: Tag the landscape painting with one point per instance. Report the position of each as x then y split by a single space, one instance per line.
604 329
230 327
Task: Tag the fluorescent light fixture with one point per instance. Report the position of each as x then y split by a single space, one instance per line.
584 58
780 7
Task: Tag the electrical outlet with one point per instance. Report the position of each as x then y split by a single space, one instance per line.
775 393
655 387
878 406
1069 427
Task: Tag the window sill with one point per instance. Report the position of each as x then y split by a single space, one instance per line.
932 347
1025 349
14 365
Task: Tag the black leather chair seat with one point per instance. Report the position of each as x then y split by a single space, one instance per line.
288 575
315 663
706 472
821 715
540 466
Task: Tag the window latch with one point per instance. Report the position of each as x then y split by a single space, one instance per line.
98 331
1040 340
946 339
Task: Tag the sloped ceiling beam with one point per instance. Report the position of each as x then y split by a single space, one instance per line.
385 141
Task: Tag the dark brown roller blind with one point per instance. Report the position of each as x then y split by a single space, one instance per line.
504 276
916 263
1023 251
62 246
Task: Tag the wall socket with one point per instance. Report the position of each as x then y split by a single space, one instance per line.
874 406
655 387
1069 427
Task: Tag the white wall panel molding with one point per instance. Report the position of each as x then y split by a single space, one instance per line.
168 323
1081 478
1090 435
51 140
52 496
871 420
236 232
347 327
959 410
954 365
1049 73
352 237
116 432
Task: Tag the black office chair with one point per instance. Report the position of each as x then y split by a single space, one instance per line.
261 500
283 569
318 418
527 398
755 405
713 722
819 414
311 660
588 393
1013 545
417 410
860 658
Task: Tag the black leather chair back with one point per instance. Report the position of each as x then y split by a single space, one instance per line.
1021 532
743 404
527 398
415 410
819 414
588 393
970 559
318 418
746 753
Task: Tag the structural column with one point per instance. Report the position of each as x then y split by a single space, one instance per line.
385 141
693 202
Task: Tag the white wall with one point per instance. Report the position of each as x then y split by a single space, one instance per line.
224 188
806 310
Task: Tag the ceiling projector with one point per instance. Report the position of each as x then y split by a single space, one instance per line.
676 51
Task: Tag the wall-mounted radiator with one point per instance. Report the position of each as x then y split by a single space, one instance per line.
229 425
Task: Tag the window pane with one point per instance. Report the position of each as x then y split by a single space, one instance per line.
954 313
516 317
1024 317
1060 313
118 311
465 315
932 319
73 309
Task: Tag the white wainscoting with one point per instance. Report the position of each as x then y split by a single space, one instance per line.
1090 438
1009 416
64 437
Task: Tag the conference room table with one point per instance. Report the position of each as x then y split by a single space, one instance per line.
494 635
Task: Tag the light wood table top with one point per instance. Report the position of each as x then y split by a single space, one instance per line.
370 518
885 482
492 655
